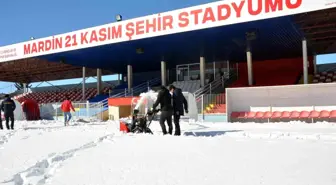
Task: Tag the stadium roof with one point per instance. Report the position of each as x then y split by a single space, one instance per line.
38 70
182 36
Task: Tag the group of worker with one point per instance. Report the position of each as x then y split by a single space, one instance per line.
173 104
171 100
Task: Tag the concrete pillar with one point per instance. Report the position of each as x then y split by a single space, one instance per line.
315 66
119 77
99 81
214 70
129 77
24 87
83 84
249 66
202 71
163 73
305 61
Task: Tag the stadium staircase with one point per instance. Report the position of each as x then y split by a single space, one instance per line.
211 97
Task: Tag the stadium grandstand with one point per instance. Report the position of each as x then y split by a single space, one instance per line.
213 51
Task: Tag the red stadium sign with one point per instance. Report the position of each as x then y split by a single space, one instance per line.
194 18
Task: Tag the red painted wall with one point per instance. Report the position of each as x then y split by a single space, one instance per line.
273 72
120 101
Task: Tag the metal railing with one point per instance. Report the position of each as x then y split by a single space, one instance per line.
210 102
144 87
212 87
85 111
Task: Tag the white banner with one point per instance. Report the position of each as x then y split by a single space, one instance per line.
209 15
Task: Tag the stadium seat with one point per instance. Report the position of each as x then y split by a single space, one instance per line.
294 115
57 96
242 115
276 116
259 115
332 116
285 115
324 114
250 116
314 115
267 115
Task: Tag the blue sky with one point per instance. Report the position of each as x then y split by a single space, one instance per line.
22 19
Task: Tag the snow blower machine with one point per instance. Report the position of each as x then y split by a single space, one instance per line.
139 123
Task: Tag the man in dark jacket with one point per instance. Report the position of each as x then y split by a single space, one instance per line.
164 99
179 105
1 128
8 107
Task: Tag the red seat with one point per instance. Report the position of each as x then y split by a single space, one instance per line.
235 114
267 115
294 114
250 115
276 114
324 114
314 114
332 114
285 114
259 115
304 114
242 115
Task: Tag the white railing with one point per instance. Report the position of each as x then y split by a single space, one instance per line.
211 88
85 111
208 103
144 87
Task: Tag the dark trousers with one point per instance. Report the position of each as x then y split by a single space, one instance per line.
7 118
166 116
177 125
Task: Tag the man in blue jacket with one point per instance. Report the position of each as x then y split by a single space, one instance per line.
8 107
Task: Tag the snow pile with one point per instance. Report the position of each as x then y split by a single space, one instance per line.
46 152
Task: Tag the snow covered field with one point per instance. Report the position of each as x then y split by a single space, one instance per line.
45 152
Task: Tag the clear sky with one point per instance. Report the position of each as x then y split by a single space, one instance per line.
22 19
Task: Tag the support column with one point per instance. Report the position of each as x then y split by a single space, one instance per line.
83 84
202 71
305 61
214 70
24 87
119 77
99 82
315 66
163 73
129 77
249 66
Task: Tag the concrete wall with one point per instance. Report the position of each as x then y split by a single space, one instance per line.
281 98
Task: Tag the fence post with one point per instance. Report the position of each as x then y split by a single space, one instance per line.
87 108
148 86
56 113
210 89
202 107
